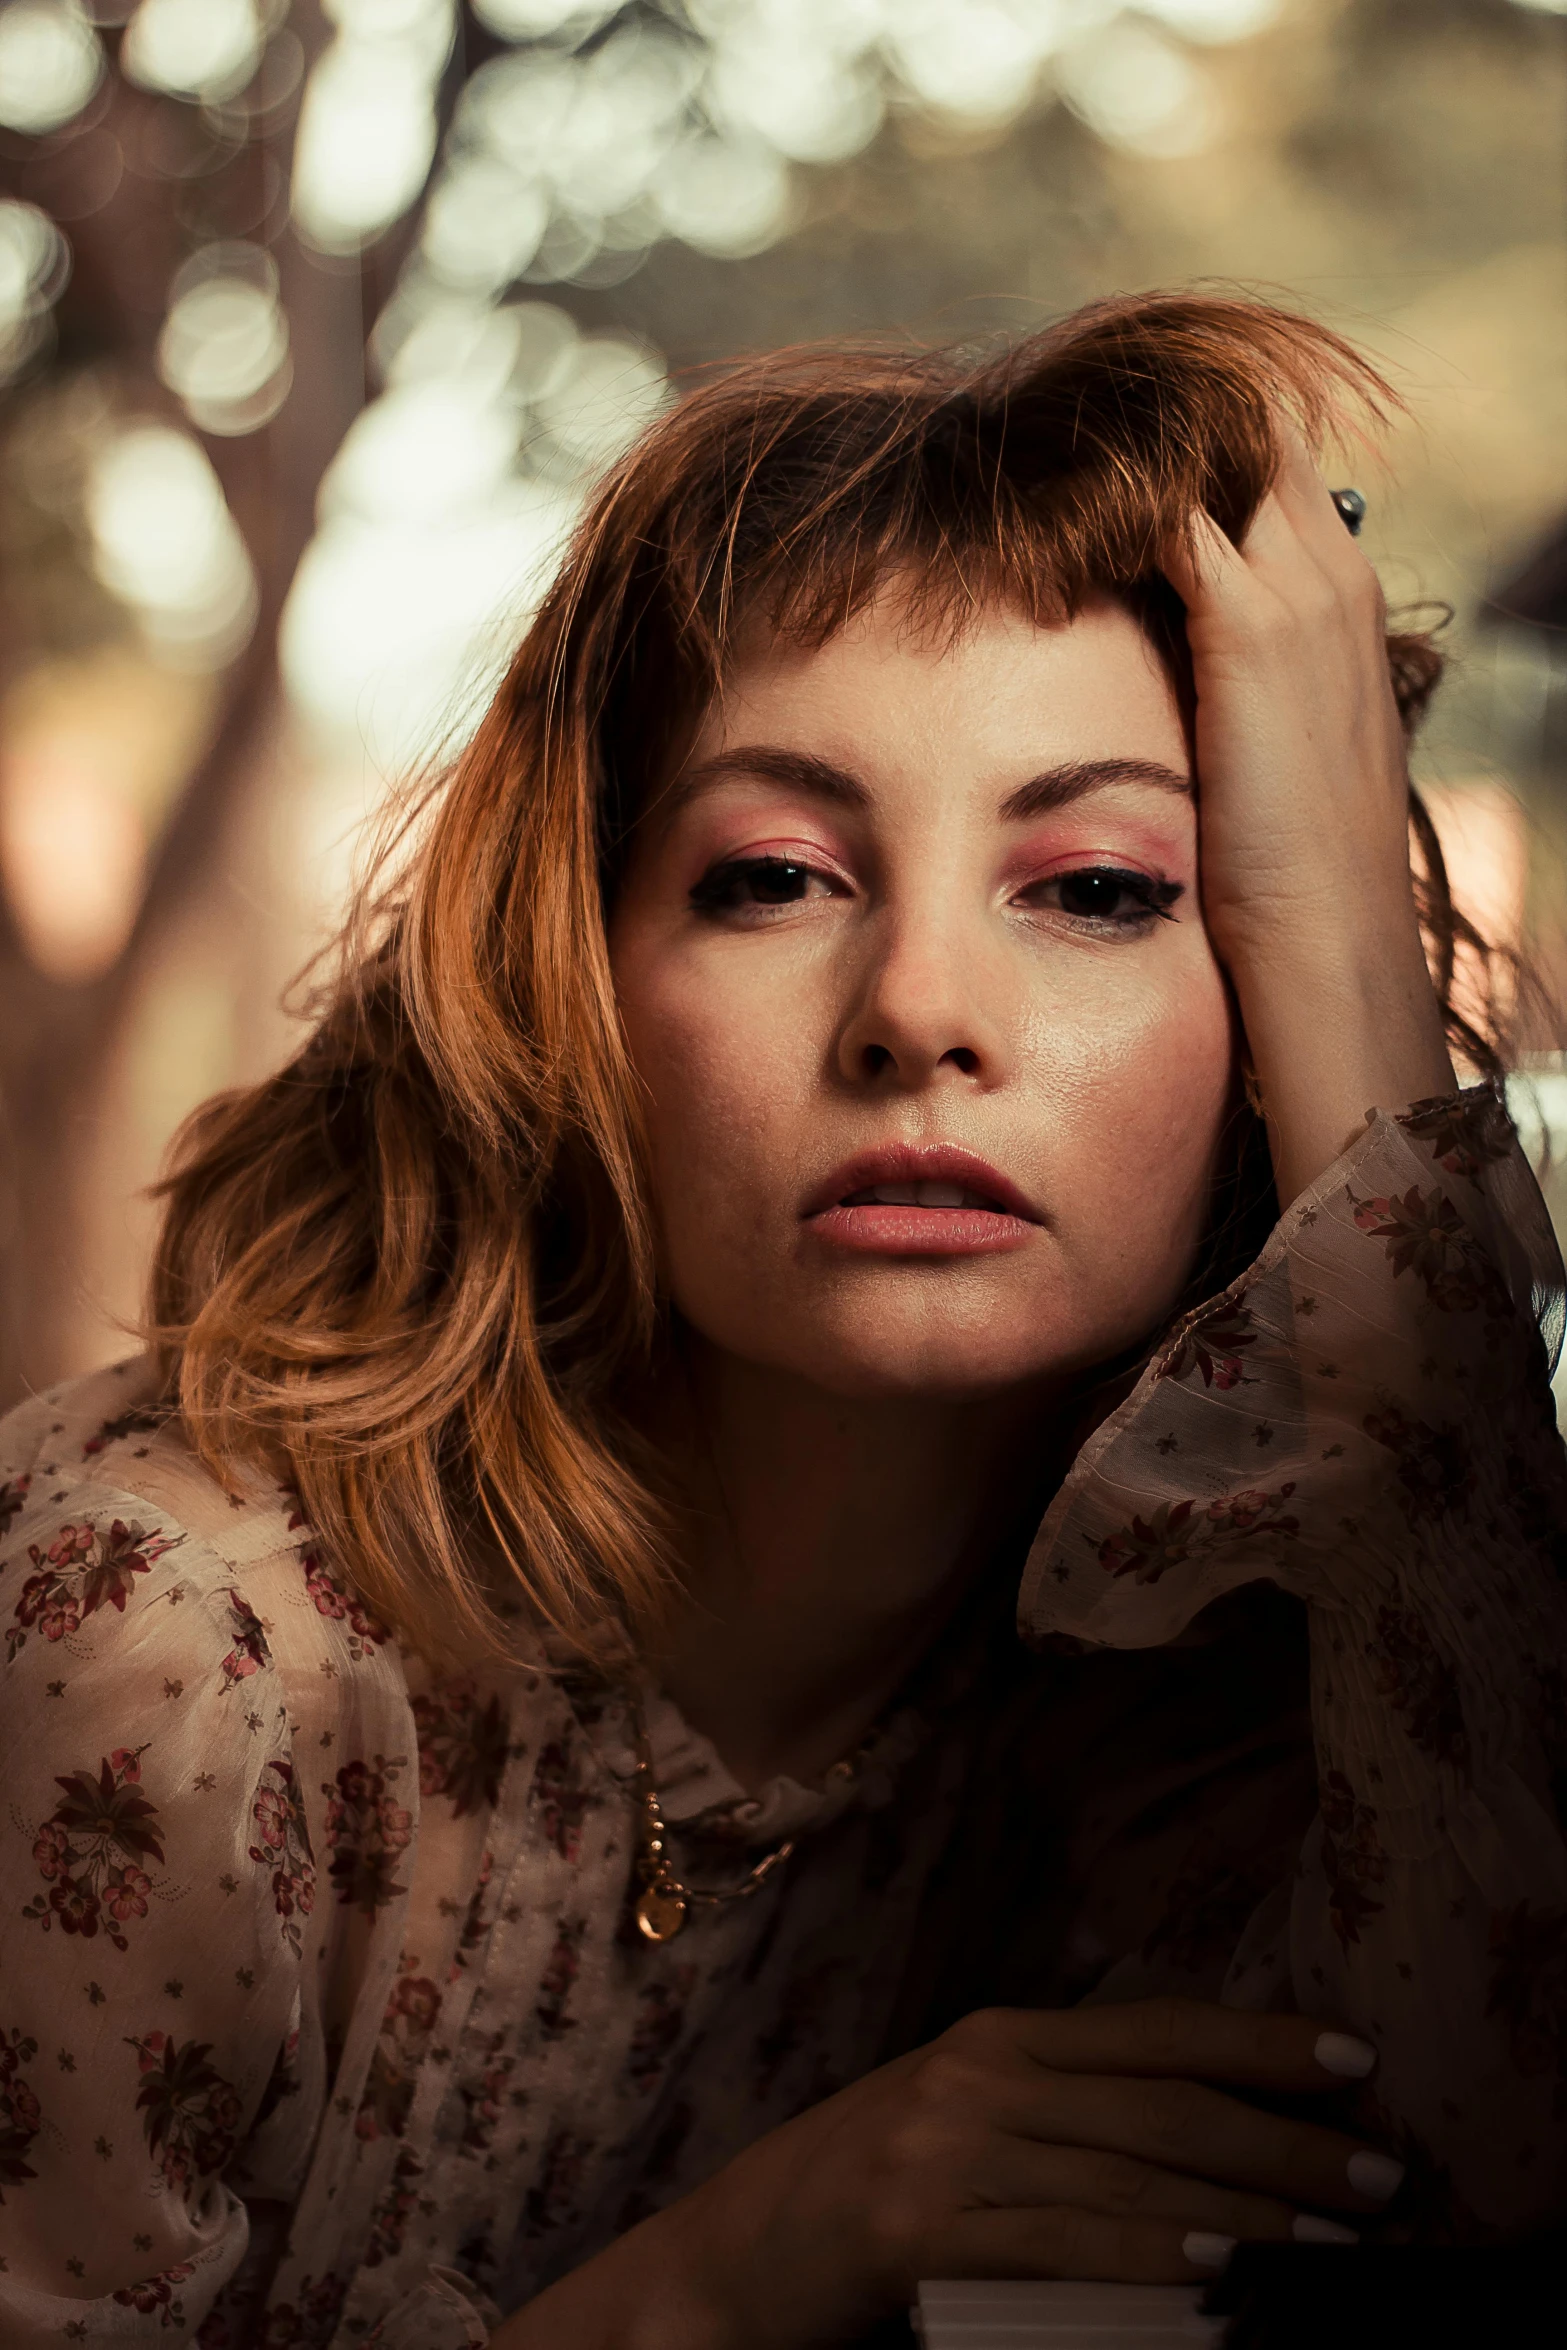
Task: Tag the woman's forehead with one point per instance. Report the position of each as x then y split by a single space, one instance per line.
891 671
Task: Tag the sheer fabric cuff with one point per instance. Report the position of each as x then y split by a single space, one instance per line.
445 2313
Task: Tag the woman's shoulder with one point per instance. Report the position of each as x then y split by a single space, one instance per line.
111 1524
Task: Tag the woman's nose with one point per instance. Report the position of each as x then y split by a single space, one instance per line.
925 1004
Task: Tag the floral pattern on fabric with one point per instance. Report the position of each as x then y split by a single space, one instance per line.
155 2296
1178 1532
1464 1133
84 1568
138 1421
308 2321
1432 1464
390 2222
561 1798
284 1846
1424 1234
13 1493
1210 1342
90 1849
1528 1991
410 2019
21 2115
369 1831
249 1652
464 1740
1420 1685
483 2094
661 2019
343 1605
550 2011
1352 1858
190 2112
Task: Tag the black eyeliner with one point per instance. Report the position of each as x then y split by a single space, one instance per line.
1152 897
708 894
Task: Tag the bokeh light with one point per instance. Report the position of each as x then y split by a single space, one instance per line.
193 48
725 196
982 62
83 778
165 542
1216 20
445 513
224 345
532 20
1139 91
50 65
35 262
367 125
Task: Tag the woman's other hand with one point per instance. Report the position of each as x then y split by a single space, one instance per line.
1101 2142
1303 786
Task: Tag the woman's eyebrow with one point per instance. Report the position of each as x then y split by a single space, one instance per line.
817 778
1058 787
796 771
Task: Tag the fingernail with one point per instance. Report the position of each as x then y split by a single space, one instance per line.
1311 2230
1376 2176
1350 2059
1205 2251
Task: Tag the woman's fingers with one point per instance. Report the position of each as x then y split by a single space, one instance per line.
1065 2241
1204 565
1186 2126
1295 541
1135 2081
1186 2039
1020 2172
1303 496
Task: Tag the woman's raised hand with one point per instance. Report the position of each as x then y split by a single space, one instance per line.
1303 812
1085 2142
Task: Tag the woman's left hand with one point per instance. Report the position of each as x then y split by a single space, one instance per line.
1303 815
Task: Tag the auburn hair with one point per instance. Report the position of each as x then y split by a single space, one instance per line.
414 1273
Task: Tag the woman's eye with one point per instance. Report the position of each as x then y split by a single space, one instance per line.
1106 896
757 881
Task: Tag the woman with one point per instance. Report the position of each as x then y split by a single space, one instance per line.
529 1817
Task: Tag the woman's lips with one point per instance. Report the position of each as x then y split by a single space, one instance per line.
912 1200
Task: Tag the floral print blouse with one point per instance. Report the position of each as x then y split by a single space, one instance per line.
323 2016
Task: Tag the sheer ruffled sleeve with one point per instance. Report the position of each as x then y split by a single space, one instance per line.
1366 1418
149 1983
446 2312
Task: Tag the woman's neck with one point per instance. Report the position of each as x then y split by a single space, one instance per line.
825 1545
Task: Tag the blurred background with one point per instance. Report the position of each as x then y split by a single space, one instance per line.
318 319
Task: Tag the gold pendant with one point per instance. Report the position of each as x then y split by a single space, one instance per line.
660 1915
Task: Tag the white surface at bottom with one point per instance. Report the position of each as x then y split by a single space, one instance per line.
980 2316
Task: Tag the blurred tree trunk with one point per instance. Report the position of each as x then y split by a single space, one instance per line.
55 1039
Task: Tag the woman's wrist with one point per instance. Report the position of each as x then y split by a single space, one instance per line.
647 2291
1338 1023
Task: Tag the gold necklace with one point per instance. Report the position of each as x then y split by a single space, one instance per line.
664 1902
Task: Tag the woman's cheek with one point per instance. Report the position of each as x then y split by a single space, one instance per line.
1144 1090
724 1061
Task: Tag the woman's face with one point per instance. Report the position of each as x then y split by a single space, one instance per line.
912 968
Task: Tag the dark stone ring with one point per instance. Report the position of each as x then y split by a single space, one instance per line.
1352 509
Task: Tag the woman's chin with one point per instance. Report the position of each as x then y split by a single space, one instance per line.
948 1366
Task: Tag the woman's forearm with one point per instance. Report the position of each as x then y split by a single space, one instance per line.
646 2291
1339 1021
